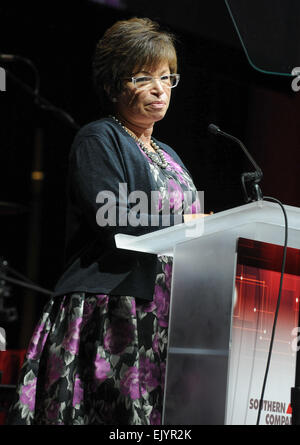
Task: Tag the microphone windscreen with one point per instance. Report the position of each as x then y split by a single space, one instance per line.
212 128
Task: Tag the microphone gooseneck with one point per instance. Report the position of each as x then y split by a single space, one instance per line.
253 178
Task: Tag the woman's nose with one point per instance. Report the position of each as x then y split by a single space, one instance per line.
157 86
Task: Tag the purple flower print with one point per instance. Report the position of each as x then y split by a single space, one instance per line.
162 301
159 201
149 375
129 384
175 195
133 307
168 275
146 307
87 312
55 366
156 204
155 417
174 166
71 341
195 207
37 342
102 299
78 392
155 343
27 396
172 163
53 410
102 368
119 335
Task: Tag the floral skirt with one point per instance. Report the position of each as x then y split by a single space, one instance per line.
97 360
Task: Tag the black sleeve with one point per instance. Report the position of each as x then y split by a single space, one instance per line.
96 172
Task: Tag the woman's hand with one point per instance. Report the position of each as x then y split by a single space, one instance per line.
190 217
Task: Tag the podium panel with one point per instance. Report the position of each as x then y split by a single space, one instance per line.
199 331
256 293
220 327
221 314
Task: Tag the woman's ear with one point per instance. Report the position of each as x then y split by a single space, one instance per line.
107 89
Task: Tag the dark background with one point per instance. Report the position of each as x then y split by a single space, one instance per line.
217 85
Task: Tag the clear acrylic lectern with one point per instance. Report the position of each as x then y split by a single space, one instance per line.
215 367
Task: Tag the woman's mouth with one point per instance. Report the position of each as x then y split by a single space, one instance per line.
157 104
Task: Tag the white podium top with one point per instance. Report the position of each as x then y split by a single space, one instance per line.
163 242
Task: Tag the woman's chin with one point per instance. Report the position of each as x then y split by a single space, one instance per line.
158 115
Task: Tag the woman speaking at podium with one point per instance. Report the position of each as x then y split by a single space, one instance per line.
98 354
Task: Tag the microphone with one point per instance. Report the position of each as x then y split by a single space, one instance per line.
212 128
254 177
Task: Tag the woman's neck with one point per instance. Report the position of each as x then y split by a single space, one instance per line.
142 132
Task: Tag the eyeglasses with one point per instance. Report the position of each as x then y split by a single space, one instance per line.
168 80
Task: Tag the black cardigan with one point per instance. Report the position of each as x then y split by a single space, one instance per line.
102 156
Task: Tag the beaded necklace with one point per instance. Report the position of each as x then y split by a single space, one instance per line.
158 157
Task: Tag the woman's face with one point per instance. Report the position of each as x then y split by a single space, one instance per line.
143 106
